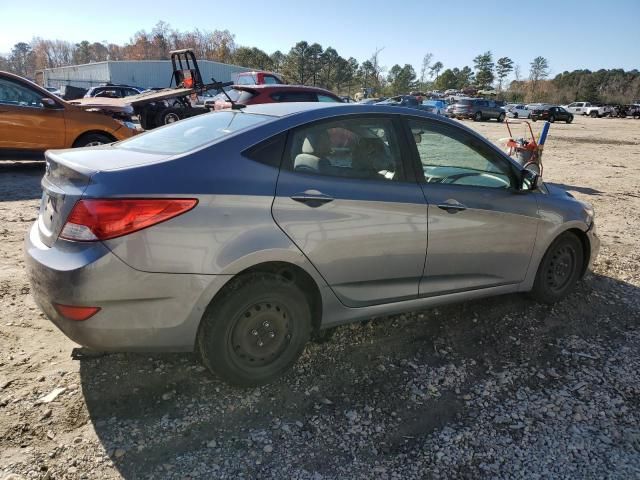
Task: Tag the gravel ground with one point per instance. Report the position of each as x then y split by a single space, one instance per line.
498 388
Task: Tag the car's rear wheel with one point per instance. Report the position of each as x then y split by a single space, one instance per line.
593 114
477 117
167 116
559 270
515 114
552 119
92 140
501 117
256 331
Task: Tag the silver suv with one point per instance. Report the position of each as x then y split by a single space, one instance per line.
239 233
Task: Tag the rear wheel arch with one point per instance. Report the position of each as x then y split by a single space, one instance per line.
287 271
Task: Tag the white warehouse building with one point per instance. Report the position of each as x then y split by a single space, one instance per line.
137 73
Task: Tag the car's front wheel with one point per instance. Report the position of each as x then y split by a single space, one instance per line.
256 331
559 270
477 117
501 117
92 140
570 119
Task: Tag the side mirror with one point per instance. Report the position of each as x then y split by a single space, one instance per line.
529 180
49 102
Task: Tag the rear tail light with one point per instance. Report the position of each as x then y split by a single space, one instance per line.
74 312
102 219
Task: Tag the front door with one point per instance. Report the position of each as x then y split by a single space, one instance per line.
481 229
25 123
345 199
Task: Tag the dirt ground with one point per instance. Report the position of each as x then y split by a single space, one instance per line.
500 388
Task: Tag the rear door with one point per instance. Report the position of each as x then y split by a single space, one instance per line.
25 123
481 230
346 198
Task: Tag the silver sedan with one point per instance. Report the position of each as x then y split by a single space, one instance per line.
239 233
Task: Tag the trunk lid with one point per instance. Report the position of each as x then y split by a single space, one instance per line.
68 174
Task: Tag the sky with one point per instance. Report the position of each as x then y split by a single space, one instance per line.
571 34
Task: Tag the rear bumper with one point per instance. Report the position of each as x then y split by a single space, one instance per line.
140 311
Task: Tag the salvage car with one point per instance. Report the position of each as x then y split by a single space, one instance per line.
478 109
551 114
517 110
255 94
32 120
265 224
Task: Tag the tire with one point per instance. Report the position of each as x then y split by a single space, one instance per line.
257 332
477 117
559 269
515 114
501 117
552 119
92 140
168 116
636 116
534 119
593 114
570 119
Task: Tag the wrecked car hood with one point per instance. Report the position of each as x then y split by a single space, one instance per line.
133 100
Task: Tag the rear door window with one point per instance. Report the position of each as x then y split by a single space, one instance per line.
363 148
294 97
326 98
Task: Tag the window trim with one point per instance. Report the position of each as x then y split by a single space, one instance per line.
408 173
414 155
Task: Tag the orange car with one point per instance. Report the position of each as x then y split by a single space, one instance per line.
34 120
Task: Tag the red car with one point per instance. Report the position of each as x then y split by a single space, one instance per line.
258 78
253 94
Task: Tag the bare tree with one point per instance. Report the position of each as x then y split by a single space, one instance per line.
426 64
539 71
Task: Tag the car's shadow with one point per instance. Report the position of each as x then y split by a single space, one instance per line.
164 415
574 188
20 180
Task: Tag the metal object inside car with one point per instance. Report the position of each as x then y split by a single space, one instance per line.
263 225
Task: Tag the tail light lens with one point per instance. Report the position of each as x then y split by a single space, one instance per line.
101 219
74 312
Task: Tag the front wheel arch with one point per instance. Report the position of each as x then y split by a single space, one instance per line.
93 132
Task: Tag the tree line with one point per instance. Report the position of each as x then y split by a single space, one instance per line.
311 64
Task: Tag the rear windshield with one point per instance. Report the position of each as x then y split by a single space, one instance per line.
192 133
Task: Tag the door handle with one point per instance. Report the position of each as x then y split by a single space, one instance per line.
312 198
452 207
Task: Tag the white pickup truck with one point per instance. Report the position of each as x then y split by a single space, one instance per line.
587 108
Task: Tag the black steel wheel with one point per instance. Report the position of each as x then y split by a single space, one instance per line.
559 270
256 331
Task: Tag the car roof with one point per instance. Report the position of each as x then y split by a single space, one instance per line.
325 109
